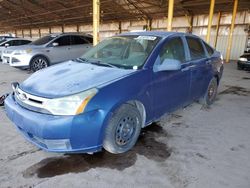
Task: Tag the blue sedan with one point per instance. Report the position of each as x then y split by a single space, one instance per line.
104 98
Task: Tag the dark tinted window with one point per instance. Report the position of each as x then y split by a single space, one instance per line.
15 43
195 48
173 49
75 40
63 41
89 39
210 50
44 40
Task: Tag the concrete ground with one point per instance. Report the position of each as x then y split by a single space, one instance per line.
193 147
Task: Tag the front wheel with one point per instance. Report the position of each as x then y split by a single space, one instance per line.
211 93
123 129
38 63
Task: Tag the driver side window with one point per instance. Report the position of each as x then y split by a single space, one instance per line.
173 49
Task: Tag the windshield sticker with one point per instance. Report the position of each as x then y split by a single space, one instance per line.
146 37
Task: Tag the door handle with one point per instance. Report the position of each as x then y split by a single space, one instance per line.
188 68
185 69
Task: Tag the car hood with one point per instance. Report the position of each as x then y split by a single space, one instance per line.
69 78
247 55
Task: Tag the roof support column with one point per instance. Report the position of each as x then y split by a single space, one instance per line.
39 32
96 21
230 36
210 20
120 26
30 33
217 29
22 33
170 14
149 24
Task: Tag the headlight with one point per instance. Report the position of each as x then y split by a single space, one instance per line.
70 105
19 52
242 59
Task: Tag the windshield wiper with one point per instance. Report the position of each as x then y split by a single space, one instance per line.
82 60
98 62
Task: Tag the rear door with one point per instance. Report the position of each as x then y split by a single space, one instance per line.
201 71
62 52
79 45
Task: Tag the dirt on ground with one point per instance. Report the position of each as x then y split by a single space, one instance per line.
192 147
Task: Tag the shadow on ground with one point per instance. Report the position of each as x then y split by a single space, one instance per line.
236 90
146 146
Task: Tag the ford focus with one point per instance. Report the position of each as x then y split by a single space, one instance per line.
105 98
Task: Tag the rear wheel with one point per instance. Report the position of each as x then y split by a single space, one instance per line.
211 93
38 63
123 129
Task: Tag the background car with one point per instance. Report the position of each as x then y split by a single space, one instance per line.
123 84
48 50
9 41
244 61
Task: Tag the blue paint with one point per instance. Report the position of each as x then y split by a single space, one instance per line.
159 92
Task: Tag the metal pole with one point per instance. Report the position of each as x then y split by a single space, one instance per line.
230 36
170 14
96 21
217 29
120 27
210 20
30 33
39 32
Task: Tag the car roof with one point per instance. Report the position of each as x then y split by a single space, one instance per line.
162 34
70 33
152 33
9 39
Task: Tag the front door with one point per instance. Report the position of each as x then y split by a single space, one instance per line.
171 88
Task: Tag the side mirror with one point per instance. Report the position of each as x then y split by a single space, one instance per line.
169 65
7 45
54 44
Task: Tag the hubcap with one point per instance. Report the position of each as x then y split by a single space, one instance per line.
211 91
39 64
125 130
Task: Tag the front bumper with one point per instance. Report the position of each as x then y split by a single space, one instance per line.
243 64
22 60
67 134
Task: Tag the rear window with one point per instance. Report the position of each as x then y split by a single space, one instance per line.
195 47
210 50
76 40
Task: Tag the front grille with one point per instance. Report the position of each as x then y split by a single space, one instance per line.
30 102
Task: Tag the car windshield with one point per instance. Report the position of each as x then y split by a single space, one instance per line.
129 52
44 40
3 40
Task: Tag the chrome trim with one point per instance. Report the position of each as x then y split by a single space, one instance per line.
29 101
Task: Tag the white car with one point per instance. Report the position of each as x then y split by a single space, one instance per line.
7 42
48 50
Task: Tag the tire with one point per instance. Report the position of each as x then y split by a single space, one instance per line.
123 129
38 63
211 93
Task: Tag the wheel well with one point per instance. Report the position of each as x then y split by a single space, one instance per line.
39 55
141 109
